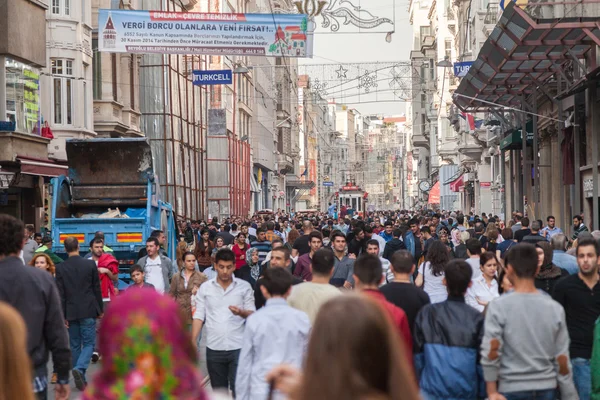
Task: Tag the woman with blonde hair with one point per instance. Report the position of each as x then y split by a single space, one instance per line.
15 365
44 262
354 353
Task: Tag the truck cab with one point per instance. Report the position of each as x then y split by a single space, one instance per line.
103 174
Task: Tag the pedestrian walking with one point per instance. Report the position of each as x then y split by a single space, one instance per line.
223 304
578 227
579 295
485 288
549 274
261 244
362 344
137 276
185 285
203 250
310 296
43 262
79 287
401 291
431 272
15 370
158 269
368 277
447 338
33 294
147 352
559 255
30 245
302 270
273 335
344 263
525 349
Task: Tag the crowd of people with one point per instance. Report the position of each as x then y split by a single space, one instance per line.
389 305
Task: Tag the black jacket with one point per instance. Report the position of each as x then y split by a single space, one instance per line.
391 247
33 293
79 287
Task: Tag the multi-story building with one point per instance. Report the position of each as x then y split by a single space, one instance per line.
24 164
68 104
434 140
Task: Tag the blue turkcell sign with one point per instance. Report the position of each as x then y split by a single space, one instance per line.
461 68
327 183
219 77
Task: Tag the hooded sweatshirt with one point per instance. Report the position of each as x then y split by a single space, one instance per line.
391 247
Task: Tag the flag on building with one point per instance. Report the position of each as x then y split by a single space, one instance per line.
472 121
305 173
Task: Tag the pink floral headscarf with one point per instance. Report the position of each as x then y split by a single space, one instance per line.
146 352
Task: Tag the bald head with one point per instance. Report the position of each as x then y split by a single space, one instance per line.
307 226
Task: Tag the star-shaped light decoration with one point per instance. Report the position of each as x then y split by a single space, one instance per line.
341 72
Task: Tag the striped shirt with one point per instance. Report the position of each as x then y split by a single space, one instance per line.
263 249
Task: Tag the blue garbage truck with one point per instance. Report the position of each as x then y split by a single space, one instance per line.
110 187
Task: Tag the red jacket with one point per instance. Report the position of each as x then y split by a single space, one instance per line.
106 284
399 319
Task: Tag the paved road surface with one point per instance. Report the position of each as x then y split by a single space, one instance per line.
94 368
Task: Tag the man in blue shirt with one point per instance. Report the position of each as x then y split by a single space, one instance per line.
277 333
551 229
560 257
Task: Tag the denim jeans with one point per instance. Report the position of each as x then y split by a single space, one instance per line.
582 377
222 367
549 394
82 338
42 395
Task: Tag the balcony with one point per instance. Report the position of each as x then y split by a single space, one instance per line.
285 164
420 141
469 148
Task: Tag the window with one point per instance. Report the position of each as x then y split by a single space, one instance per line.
62 86
61 7
448 49
22 96
424 31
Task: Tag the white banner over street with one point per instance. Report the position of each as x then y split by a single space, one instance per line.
275 35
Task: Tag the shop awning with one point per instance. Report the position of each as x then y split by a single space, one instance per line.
456 185
513 140
434 194
41 167
521 53
253 184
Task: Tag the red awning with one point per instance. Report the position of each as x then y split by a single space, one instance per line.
434 194
41 167
457 184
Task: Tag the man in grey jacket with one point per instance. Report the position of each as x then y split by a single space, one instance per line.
158 269
33 294
525 352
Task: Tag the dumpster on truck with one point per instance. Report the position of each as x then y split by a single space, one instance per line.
105 174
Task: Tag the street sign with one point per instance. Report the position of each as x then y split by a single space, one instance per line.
461 68
327 183
219 77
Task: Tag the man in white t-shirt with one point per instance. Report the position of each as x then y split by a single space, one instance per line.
158 269
474 251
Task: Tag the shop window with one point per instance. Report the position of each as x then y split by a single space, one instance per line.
23 96
61 7
62 88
